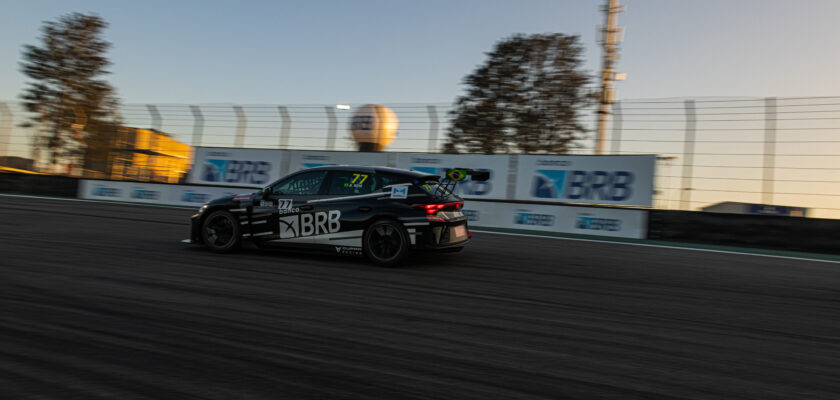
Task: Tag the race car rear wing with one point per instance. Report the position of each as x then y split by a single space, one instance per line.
453 176
459 174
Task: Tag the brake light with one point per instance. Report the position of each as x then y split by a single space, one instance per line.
434 208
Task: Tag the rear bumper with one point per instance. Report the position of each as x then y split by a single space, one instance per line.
443 235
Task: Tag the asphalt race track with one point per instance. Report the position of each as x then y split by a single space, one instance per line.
103 301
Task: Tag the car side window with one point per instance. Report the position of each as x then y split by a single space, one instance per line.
305 184
383 180
351 183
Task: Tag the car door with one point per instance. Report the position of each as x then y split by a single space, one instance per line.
350 196
284 211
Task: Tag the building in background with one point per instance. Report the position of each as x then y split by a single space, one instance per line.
148 155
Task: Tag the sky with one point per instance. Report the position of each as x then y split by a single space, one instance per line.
320 52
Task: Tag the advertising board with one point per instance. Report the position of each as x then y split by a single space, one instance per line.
310 159
437 164
617 180
236 167
153 193
597 221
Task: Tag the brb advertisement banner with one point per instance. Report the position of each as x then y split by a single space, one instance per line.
235 167
619 180
437 164
153 193
597 221
311 159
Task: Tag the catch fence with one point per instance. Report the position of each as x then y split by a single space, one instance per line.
782 151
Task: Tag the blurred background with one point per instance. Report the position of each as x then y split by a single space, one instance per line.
736 100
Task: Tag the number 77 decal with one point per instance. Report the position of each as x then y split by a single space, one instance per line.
357 176
284 204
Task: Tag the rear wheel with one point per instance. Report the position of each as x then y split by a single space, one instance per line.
385 242
220 232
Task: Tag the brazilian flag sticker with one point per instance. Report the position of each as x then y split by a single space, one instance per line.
456 174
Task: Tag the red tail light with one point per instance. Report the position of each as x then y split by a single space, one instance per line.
434 208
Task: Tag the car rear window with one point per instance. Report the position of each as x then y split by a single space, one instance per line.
436 188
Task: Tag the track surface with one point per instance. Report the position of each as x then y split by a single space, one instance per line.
102 301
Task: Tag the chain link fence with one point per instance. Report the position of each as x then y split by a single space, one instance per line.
782 151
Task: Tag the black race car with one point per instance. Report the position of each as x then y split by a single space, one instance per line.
382 213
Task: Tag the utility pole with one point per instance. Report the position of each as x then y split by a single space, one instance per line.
610 39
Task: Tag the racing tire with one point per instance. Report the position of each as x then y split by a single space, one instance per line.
220 232
385 243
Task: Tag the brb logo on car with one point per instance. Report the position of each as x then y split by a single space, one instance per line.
236 171
318 223
466 187
582 185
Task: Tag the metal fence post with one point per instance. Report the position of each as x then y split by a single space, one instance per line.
433 128
768 172
285 127
241 124
198 125
616 128
6 118
688 153
332 127
157 121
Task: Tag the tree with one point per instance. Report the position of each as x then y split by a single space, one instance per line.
75 109
525 98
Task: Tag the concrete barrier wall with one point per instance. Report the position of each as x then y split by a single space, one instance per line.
41 185
598 221
153 193
760 231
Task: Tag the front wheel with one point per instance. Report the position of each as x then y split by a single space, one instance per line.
386 243
220 232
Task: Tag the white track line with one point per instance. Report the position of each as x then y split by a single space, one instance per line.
675 247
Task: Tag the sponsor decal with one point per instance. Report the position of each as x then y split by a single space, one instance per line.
464 185
266 204
527 218
289 211
104 191
284 204
420 160
598 224
582 185
472 215
554 163
361 123
145 194
348 251
399 192
242 197
193 197
236 171
358 180
310 224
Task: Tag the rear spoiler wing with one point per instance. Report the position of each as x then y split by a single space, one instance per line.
459 174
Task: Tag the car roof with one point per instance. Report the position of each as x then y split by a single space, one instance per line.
374 169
